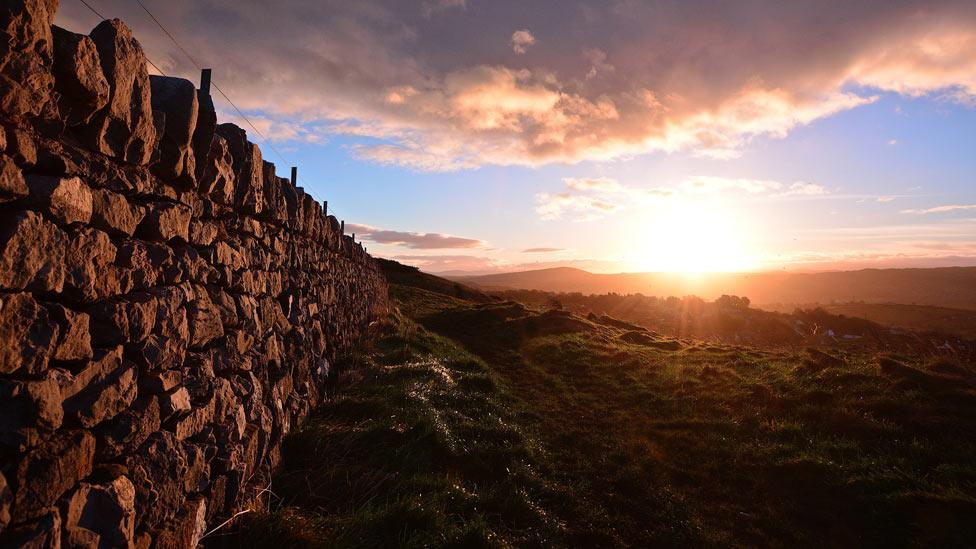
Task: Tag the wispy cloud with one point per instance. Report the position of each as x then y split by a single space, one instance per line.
542 250
604 184
941 209
712 184
552 206
417 241
803 189
592 198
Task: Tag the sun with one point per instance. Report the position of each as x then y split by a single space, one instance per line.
692 236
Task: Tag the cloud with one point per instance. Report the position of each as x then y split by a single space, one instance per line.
605 184
801 188
597 59
433 7
274 129
592 198
541 250
448 263
886 198
941 209
551 206
474 265
521 40
417 241
422 93
711 184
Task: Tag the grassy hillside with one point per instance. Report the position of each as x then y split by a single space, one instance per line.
493 424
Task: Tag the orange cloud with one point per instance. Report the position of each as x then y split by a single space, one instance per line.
627 78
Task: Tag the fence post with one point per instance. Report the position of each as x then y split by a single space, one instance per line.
294 176
205 80
342 227
325 207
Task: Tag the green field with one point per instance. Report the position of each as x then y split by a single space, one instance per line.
492 424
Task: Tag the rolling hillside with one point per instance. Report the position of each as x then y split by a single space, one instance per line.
496 424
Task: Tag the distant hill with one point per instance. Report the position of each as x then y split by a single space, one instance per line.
953 287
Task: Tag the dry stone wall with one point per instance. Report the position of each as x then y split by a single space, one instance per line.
168 306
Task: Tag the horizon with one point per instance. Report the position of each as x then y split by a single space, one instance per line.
811 138
687 274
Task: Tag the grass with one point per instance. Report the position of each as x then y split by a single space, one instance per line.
493 424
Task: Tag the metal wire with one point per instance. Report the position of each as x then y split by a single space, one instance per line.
214 84
196 64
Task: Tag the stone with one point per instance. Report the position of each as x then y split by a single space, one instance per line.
160 382
188 425
29 334
12 185
128 430
177 99
6 497
129 319
156 468
204 320
197 477
42 533
29 410
20 146
204 133
90 273
112 213
25 56
66 199
105 362
175 401
217 179
187 528
32 252
74 342
248 168
46 473
158 352
104 397
166 221
78 76
124 129
106 510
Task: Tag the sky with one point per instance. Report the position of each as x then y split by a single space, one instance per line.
611 135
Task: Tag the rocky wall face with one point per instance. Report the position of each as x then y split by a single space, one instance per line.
169 307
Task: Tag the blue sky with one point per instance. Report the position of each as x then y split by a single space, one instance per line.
875 161
456 134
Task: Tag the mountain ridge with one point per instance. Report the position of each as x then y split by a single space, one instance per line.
939 286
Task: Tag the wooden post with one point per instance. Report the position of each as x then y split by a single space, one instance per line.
353 237
342 227
205 80
294 176
325 207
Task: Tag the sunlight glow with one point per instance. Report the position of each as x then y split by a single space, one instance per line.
693 236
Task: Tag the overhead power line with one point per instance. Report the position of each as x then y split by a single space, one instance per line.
199 66
195 63
103 18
